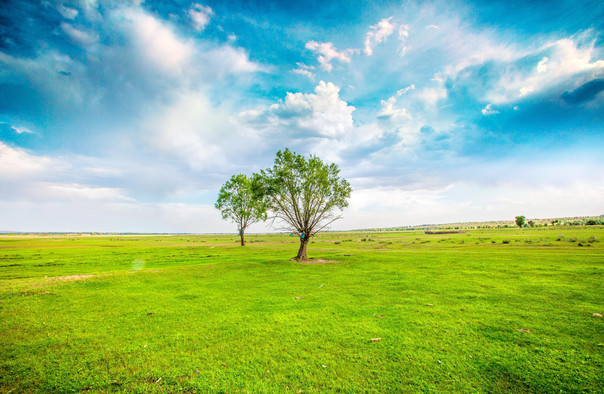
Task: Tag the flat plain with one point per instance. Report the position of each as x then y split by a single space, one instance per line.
488 310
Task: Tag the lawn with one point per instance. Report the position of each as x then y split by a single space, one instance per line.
489 310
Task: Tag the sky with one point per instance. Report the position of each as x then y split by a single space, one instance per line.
121 116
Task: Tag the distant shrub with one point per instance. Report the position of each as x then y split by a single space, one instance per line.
560 237
505 241
337 242
572 239
493 241
593 239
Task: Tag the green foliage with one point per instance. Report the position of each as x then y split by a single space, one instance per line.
306 195
238 202
520 221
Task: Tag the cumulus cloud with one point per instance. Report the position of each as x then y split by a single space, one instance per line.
200 16
390 112
319 114
326 52
488 110
542 65
378 33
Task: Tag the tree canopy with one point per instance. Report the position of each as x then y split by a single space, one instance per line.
520 221
238 202
304 195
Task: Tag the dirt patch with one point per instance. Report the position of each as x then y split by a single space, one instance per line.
317 261
69 278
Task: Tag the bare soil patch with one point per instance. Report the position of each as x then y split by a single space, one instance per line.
70 278
317 261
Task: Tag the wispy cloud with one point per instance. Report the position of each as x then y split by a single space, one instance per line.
377 34
326 52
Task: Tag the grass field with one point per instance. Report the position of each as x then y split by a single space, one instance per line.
506 310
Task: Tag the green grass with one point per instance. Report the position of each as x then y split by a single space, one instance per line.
200 313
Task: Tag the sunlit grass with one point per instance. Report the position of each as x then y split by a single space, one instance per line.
200 313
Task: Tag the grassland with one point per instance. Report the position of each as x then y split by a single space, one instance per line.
503 310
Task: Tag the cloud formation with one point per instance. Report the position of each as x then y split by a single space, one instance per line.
378 33
326 52
200 16
139 111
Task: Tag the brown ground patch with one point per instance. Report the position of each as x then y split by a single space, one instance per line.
70 277
318 261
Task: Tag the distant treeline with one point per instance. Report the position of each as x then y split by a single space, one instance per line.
445 232
565 221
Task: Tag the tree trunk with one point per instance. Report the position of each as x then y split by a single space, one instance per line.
242 239
302 251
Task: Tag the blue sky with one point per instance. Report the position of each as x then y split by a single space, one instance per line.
129 116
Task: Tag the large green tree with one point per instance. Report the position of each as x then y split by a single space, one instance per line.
306 195
520 221
238 202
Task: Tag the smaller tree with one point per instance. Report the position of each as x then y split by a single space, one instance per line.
531 223
238 202
520 221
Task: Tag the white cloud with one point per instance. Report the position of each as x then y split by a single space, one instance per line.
322 114
17 164
21 130
79 37
78 192
111 217
154 41
25 176
526 90
390 112
200 16
400 92
403 35
488 110
229 60
189 130
430 96
566 58
377 34
304 70
542 65
326 52
67 12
